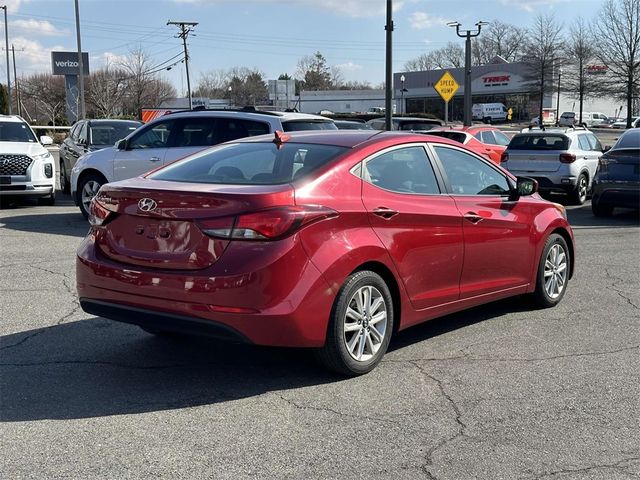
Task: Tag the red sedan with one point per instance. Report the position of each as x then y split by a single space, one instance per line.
333 241
483 140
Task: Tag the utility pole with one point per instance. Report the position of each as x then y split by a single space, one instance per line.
185 29
558 99
389 69
6 41
83 109
15 76
467 34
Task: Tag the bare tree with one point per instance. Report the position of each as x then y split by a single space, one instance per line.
449 56
45 92
314 72
579 51
422 62
617 28
106 89
543 53
212 84
498 39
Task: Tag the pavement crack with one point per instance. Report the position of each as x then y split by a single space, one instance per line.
461 427
614 286
614 466
23 339
332 411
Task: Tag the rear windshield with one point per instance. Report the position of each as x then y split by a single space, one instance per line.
455 136
629 140
299 125
417 125
250 164
539 142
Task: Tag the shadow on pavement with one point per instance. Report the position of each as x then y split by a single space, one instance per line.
47 220
96 367
583 217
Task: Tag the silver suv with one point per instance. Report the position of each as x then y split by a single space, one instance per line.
561 159
175 136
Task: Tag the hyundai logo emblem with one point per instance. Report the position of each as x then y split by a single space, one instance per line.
147 204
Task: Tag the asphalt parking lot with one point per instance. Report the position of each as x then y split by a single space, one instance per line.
498 392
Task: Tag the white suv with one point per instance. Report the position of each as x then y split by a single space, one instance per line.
27 169
175 136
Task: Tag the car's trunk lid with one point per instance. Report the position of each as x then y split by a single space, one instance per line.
159 224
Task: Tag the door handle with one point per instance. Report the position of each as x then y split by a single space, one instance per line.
473 217
384 212
154 159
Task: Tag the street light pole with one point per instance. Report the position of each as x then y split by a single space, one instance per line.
558 99
402 90
467 34
6 49
83 109
388 68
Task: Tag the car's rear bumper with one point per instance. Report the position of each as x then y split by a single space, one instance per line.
618 194
283 302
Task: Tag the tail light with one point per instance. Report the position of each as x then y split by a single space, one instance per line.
98 213
504 157
604 162
270 224
567 158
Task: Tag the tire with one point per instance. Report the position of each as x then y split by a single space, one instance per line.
600 210
553 272
92 183
579 194
64 180
354 343
48 201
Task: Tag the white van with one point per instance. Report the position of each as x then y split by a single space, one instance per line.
489 112
589 119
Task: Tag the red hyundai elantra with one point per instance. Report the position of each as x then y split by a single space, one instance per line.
330 240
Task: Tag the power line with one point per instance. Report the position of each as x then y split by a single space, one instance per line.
185 29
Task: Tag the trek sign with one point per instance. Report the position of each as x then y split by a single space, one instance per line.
446 86
66 63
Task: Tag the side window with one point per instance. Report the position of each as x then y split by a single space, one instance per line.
487 137
501 138
403 170
228 129
469 175
478 136
154 136
197 132
584 142
594 143
74 131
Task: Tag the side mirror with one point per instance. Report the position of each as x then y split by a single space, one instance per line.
121 144
606 148
526 186
46 140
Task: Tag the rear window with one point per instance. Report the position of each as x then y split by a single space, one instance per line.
250 164
629 140
299 125
539 142
568 115
417 126
455 136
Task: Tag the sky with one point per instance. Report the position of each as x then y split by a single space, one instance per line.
269 35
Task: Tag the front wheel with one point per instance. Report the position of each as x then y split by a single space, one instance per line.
360 325
600 210
553 272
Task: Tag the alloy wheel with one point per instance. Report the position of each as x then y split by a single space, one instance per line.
555 271
365 323
582 188
89 190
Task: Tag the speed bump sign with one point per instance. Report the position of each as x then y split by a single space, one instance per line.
446 86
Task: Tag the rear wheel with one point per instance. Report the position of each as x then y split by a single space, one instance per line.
579 194
87 189
360 325
600 210
64 179
553 272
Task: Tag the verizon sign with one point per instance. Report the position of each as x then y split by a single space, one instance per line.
66 63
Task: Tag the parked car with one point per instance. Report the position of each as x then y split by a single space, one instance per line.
413 124
351 125
332 241
89 136
487 141
27 169
175 136
561 160
489 112
622 123
617 181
